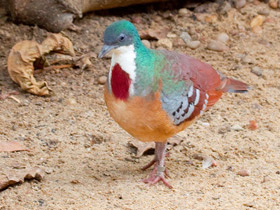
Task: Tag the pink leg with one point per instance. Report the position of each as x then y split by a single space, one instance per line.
159 171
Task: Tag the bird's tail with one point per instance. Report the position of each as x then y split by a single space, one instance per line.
233 86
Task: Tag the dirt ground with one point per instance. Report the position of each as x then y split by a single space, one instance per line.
85 154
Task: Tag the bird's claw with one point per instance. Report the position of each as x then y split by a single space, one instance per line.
155 179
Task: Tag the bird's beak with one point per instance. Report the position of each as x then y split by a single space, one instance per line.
105 49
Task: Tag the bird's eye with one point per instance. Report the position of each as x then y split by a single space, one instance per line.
121 37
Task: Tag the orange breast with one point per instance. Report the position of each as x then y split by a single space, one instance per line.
143 117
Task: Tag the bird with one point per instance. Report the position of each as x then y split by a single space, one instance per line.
154 94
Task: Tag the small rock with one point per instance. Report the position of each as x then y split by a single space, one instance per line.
75 181
236 127
217 46
243 172
102 80
224 8
185 36
183 11
171 35
178 42
71 101
211 18
49 170
146 43
224 130
264 12
208 162
193 44
273 4
198 156
246 59
157 19
166 43
257 71
223 37
257 21
136 20
252 125
239 3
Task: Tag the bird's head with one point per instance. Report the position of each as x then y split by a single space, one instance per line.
119 34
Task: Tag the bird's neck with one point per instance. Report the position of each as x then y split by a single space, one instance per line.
122 72
129 66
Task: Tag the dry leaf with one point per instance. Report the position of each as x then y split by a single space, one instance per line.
146 147
11 146
141 147
24 54
19 175
83 62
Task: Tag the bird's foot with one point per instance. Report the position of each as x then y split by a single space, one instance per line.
157 175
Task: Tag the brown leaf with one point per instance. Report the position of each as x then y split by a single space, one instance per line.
11 146
19 175
141 147
25 53
146 147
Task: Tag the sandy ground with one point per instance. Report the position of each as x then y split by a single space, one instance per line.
85 153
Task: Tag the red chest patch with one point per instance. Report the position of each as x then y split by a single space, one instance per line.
120 82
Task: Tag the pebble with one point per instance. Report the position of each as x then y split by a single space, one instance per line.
102 80
185 36
223 37
273 4
198 156
243 172
193 44
49 170
264 12
171 35
257 21
71 101
257 71
183 11
224 8
217 46
146 43
246 59
239 3
208 162
211 18
136 20
166 43
236 127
